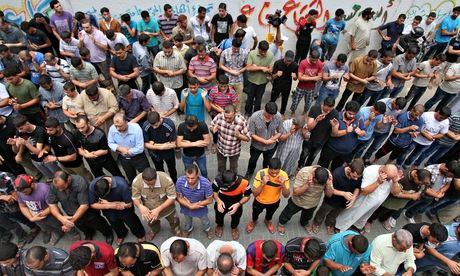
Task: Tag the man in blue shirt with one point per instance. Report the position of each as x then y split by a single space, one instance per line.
394 31
149 26
445 32
370 116
346 252
194 194
331 34
194 100
112 195
127 140
408 127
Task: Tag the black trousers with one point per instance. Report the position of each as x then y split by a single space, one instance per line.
292 209
235 217
132 164
284 98
258 208
330 156
10 224
390 147
382 214
171 163
132 220
109 164
309 152
131 83
93 221
345 95
254 156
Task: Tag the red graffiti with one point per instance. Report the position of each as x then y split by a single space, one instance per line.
261 17
247 10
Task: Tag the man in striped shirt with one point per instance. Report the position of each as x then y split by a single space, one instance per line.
203 67
57 68
41 261
167 22
231 128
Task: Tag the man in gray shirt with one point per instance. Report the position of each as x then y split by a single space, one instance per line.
404 67
265 127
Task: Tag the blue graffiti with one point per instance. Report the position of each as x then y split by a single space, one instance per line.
29 11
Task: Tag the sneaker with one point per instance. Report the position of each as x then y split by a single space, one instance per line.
210 234
430 215
219 231
235 234
386 225
250 227
392 222
411 220
367 227
46 237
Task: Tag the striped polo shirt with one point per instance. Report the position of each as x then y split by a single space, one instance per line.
203 68
222 99
200 192
57 264
53 72
167 24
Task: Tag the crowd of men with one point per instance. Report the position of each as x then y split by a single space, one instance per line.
92 110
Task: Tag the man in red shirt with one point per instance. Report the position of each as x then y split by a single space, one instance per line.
93 258
264 257
310 72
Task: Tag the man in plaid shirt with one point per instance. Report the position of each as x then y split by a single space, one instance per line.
232 128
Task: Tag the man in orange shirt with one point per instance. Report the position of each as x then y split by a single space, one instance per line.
268 186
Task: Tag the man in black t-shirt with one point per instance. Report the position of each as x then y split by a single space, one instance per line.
193 137
452 50
64 146
284 71
160 139
141 258
319 125
124 67
304 253
221 25
347 184
92 145
31 142
426 235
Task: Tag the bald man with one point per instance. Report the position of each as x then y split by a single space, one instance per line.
377 183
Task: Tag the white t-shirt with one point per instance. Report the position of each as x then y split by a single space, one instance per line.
452 86
433 127
4 111
119 38
200 30
239 253
427 28
248 40
407 29
194 261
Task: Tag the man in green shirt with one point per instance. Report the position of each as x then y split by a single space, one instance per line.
25 97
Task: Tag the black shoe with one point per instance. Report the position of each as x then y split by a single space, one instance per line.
109 239
88 237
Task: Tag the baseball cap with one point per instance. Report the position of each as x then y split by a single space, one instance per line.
289 55
23 181
198 40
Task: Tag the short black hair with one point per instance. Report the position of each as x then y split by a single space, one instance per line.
144 38
178 247
25 26
402 15
92 90
223 79
313 12
179 37
373 53
65 35
145 14
263 45
236 43
51 122
342 58
329 101
352 106
418 18
357 166
20 120
228 177
454 167
101 187
456 9
191 120
201 9
158 88
274 163
167 44
36 253
79 257
167 7
339 12
44 79
125 17
380 107
269 249
153 117
423 174
119 46
438 231
104 9
314 249
109 34
79 15
76 61
10 71
242 18
52 3
193 81
191 169
127 249
9 250
413 50
314 54
149 174
445 111
321 175
271 108
401 102
388 54
441 57
360 243
432 14
223 6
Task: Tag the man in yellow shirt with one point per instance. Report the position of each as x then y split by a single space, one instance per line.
268 186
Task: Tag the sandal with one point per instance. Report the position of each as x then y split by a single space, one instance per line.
316 228
330 230
308 228
270 227
210 234
119 241
219 231
250 227
281 229
235 234
149 235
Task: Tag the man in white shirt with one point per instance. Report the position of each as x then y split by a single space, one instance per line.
200 24
232 248
250 36
428 26
115 38
389 251
183 257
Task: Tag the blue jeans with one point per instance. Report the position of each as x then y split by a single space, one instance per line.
418 207
440 96
436 148
418 150
205 223
414 94
395 91
441 204
374 95
324 93
377 140
200 161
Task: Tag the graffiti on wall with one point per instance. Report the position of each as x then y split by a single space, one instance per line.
20 10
